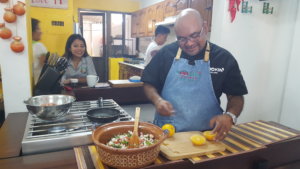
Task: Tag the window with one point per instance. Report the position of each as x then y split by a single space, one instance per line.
121 42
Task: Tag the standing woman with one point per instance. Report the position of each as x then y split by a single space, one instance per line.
80 63
38 49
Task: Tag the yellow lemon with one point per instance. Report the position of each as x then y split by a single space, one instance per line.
170 128
209 135
198 139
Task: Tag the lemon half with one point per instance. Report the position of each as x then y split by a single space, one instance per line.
198 139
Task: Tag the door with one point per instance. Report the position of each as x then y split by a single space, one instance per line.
92 28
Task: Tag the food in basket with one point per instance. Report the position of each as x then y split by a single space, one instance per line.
121 141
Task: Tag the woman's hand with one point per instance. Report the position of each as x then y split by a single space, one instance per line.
164 107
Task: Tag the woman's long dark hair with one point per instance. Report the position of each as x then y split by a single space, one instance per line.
71 39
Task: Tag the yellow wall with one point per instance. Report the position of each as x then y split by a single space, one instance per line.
106 5
54 37
29 41
114 68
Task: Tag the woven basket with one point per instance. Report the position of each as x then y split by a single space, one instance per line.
128 158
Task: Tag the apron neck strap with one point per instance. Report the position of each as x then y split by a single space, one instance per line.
206 55
178 54
207 52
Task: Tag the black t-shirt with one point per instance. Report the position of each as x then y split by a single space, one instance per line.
225 73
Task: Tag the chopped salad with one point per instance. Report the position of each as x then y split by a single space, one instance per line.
121 141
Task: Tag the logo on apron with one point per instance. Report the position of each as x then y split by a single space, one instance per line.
192 75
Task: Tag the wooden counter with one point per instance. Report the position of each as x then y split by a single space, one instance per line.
281 155
127 70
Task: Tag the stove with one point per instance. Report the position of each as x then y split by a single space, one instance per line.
74 129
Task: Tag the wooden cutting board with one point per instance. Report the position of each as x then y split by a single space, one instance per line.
124 83
180 146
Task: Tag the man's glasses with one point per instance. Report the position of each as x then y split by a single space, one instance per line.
192 37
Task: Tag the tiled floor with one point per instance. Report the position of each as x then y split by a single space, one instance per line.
147 111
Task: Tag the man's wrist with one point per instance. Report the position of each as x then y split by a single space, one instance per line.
158 101
233 116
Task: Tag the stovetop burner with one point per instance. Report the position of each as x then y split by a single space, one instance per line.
73 130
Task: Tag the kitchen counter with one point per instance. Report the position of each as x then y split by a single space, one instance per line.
127 70
138 66
283 155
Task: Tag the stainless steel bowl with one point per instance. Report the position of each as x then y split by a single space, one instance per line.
49 107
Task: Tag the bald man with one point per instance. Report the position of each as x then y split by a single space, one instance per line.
186 79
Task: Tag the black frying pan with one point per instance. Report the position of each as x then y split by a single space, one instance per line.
103 115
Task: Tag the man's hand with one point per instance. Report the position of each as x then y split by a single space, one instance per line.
222 124
164 107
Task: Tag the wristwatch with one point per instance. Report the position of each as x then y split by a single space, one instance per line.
233 116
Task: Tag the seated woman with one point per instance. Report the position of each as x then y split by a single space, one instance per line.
80 63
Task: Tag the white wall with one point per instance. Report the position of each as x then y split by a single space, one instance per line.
290 114
261 44
14 67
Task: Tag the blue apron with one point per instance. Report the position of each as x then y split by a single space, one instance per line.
189 89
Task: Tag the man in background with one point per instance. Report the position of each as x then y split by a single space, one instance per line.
161 35
38 49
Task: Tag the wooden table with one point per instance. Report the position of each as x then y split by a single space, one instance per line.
281 155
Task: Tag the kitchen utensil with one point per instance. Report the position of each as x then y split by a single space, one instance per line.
134 140
103 115
127 158
49 107
180 146
45 65
100 101
48 79
61 64
50 60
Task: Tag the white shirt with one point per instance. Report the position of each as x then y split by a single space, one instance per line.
38 49
151 51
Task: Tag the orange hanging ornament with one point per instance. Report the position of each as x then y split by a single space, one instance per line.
5 33
17 46
19 8
9 16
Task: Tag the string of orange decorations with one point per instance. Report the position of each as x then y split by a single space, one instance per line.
10 16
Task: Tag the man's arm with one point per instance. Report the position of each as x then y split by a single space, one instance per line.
235 104
162 106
